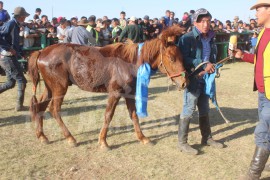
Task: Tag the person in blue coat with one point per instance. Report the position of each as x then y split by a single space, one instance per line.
9 52
197 46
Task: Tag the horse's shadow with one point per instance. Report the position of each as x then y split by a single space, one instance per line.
85 99
231 113
9 121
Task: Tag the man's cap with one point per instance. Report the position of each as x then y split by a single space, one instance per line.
38 10
236 17
162 19
29 21
20 11
184 18
83 22
146 17
115 19
200 12
92 18
260 3
132 18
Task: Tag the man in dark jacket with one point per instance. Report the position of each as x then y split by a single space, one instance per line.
197 46
4 16
131 31
10 49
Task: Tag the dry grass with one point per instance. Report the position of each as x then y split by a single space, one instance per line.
23 157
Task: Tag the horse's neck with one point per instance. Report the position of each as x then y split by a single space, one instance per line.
146 57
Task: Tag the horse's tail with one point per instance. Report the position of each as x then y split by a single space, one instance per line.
33 69
35 78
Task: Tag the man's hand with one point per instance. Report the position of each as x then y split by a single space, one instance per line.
201 74
238 54
210 68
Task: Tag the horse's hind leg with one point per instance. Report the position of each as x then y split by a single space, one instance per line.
44 101
55 108
132 112
111 105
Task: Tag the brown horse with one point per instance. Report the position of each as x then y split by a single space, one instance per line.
64 64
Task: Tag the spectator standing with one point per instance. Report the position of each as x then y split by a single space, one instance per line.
62 30
146 28
92 30
185 23
131 31
235 22
37 14
191 13
4 16
10 51
123 21
29 34
44 20
171 20
253 42
79 34
105 34
167 17
116 30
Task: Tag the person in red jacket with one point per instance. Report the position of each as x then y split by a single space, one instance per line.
261 59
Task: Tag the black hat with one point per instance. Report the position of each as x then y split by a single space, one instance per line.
146 17
115 19
201 12
92 18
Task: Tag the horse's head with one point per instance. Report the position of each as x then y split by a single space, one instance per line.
170 57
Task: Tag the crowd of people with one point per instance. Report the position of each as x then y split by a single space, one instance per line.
102 31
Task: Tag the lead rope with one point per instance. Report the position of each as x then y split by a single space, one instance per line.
217 76
168 75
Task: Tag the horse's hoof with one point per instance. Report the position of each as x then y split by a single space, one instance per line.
145 141
44 140
72 142
105 148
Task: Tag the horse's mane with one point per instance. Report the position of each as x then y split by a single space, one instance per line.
129 51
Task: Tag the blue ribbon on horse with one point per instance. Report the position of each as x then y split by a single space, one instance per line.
210 85
143 78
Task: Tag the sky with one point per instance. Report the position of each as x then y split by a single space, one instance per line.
220 9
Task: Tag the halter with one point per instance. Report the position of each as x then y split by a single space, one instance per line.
183 73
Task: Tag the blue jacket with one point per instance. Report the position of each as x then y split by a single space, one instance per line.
191 47
9 36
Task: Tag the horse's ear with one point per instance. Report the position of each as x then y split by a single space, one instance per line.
169 35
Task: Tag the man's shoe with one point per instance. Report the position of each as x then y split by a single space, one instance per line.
211 142
186 148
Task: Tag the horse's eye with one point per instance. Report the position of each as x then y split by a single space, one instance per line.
172 58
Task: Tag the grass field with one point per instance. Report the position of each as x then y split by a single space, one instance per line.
22 156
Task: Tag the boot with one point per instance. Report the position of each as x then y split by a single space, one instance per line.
257 164
206 133
20 98
183 136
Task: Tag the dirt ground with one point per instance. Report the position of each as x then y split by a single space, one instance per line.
22 156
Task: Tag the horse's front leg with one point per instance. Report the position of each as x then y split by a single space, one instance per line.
132 112
111 105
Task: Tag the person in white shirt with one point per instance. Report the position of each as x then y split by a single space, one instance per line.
29 35
62 30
